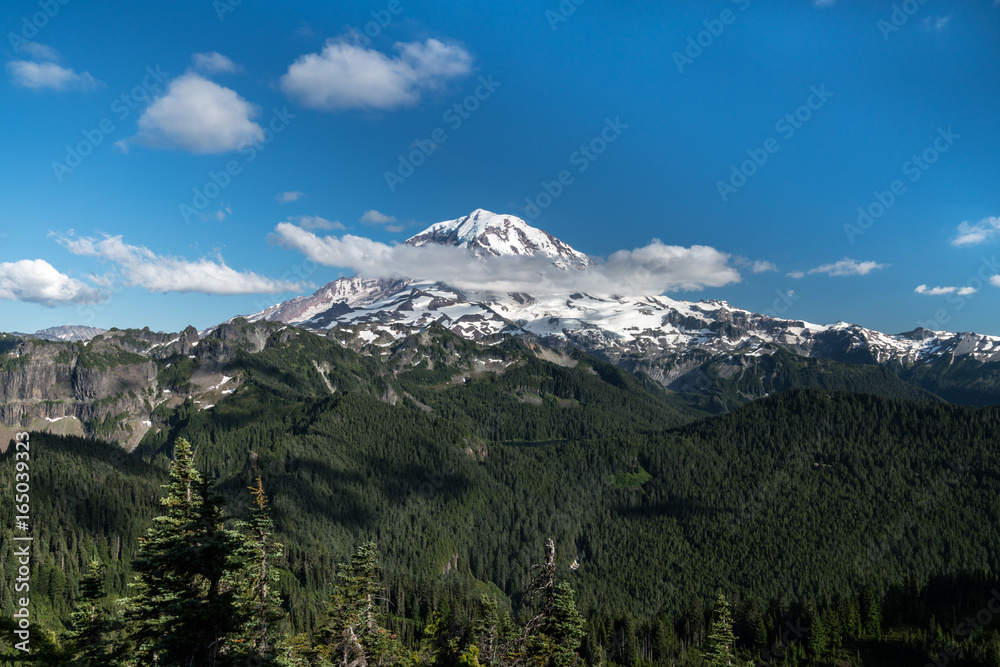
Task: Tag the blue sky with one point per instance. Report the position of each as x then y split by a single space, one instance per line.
152 151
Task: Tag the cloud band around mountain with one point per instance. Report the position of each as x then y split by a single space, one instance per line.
651 269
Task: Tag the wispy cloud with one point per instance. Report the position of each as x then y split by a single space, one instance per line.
938 291
37 281
796 274
213 62
652 269
38 76
199 116
983 231
293 195
39 51
160 273
316 222
345 76
937 23
848 267
762 266
995 280
373 217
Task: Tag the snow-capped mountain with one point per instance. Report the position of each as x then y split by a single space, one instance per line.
351 292
483 232
663 337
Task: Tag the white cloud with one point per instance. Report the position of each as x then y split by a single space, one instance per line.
937 23
796 274
293 195
37 281
344 76
652 269
160 273
199 116
995 280
983 231
316 222
213 62
373 217
40 51
761 266
848 267
49 75
938 291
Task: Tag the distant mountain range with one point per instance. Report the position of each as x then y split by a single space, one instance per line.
68 332
120 384
674 342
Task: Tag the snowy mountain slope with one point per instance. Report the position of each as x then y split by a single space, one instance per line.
488 233
664 337
351 292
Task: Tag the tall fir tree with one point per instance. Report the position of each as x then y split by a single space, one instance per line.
88 639
184 612
818 639
353 636
721 640
259 599
871 615
494 633
551 638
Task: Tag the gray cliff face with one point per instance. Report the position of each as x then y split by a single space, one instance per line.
108 386
48 381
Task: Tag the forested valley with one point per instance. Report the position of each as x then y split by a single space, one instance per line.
546 514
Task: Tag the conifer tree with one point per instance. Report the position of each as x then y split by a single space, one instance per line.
818 639
551 638
721 640
872 615
352 636
88 640
494 633
259 601
183 613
